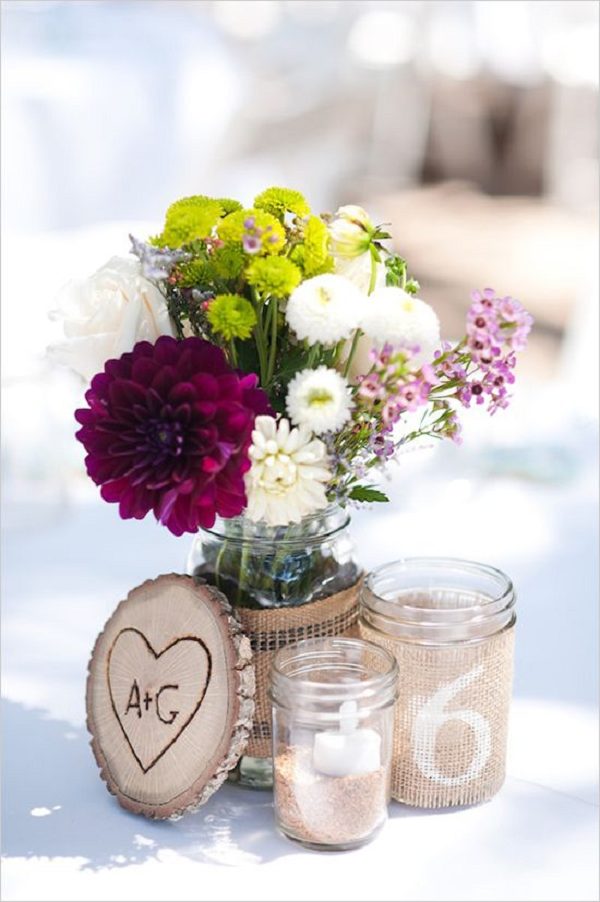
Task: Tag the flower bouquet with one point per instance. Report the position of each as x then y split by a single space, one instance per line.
251 371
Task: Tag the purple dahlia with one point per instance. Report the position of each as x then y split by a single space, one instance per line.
167 429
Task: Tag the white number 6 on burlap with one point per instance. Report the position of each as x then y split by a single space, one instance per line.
431 716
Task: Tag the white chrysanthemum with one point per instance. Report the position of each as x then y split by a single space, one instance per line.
392 315
325 309
395 317
289 473
319 399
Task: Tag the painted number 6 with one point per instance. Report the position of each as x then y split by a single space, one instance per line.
431 716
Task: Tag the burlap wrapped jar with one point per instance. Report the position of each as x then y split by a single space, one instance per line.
450 626
286 584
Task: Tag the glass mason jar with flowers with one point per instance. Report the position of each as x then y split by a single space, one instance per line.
252 371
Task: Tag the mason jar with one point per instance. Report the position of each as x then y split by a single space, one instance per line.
332 705
450 625
286 583
259 566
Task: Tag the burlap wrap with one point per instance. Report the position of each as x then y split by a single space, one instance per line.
272 628
451 720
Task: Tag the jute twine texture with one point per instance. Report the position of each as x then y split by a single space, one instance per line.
451 719
270 629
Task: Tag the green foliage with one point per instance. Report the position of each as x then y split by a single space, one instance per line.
367 494
395 271
280 201
397 274
276 276
231 316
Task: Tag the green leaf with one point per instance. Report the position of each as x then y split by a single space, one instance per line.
367 493
412 286
395 270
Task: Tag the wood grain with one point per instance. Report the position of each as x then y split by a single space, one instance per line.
170 696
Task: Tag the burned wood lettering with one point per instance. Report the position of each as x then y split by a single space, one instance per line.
151 708
135 703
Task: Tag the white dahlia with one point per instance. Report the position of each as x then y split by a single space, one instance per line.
289 472
319 399
325 309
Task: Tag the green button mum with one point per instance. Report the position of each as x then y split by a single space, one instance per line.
275 276
191 218
231 316
268 231
280 201
312 255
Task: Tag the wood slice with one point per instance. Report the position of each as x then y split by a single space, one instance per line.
170 696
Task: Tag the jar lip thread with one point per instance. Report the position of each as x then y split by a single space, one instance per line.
259 531
466 601
442 564
376 690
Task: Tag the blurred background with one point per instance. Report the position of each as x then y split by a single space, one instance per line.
471 126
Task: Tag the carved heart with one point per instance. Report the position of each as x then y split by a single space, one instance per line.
155 695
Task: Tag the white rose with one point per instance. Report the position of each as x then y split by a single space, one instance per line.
105 315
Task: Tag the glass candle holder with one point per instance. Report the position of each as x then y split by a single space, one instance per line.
450 625
333 705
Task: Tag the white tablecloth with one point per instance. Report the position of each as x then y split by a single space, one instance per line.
66 567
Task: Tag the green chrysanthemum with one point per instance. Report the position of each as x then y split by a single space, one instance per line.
265 229
229 205
224 265
280 201
231 316
191 218
276 276
312 255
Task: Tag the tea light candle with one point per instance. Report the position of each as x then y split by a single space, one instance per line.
349 750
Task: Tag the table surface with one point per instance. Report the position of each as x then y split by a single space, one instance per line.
520 494
67 566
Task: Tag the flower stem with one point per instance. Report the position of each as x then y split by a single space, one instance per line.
353 347
242 580
373 278
358 332
335 356
260 338
273 348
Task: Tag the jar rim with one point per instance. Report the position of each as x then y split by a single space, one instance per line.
375 690
260 531
466 600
